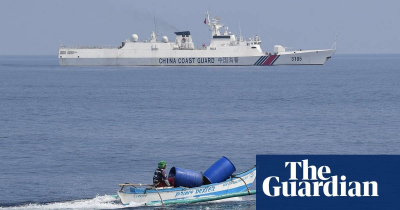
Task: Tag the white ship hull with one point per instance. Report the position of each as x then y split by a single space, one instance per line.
111 57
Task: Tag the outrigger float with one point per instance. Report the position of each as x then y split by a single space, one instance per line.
234 186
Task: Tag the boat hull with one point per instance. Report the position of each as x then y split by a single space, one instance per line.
310 57
232 185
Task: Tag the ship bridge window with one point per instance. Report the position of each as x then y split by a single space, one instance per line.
253 47
63 52
71 52
221 37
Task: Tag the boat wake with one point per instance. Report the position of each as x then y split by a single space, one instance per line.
234 199
103 202
99 202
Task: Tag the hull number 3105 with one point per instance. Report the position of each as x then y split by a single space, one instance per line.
296 59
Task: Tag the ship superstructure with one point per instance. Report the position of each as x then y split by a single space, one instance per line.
225 49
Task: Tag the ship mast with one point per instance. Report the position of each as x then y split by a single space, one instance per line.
214 25
208 19
154 35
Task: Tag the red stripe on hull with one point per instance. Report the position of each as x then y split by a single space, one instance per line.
269 60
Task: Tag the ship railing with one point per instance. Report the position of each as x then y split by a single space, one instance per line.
90 47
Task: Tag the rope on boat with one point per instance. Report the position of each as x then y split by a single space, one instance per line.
162 202
248 190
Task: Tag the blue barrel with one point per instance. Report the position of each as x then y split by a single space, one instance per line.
185 177
219 171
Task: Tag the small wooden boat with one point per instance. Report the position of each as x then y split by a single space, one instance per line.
235 185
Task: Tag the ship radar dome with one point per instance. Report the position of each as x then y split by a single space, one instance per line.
135 37
165 39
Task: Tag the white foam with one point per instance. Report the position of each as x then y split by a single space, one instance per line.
99 202
233 199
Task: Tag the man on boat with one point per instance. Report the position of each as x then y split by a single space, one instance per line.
159 178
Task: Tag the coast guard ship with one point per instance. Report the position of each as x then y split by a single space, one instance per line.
225 49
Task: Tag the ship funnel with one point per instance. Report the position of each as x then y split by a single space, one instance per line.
135 37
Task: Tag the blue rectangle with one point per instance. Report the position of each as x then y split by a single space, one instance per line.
379 174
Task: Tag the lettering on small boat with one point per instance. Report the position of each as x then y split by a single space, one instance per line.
189 192
205 190
232 182
140 196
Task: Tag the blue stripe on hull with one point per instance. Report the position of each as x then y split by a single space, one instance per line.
222 192
275 60
261 60
258 61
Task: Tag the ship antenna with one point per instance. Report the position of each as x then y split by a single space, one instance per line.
208 23
334 43
240 32
60 42
155 27
258 24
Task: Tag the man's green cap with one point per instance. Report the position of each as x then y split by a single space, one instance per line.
162 164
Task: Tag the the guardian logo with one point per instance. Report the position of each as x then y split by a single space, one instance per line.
316 182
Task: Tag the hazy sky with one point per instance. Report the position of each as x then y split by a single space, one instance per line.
33 27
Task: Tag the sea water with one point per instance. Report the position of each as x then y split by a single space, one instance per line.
69 135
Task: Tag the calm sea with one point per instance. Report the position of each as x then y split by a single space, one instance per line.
70 135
